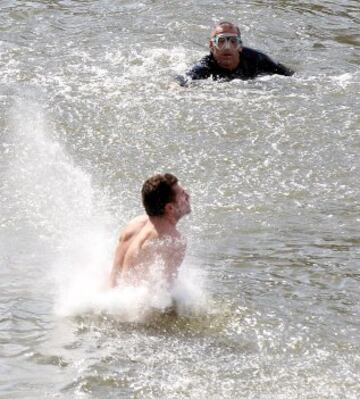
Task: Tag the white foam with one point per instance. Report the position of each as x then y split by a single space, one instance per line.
86 291
44 185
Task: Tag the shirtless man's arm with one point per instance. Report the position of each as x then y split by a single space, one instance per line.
118 261
172 254
123 244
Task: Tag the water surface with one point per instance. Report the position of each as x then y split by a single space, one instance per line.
89 108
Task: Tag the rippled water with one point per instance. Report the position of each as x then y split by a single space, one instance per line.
88 109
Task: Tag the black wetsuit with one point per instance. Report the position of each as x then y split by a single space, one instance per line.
253 63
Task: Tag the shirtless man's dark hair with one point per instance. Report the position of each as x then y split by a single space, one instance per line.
156 192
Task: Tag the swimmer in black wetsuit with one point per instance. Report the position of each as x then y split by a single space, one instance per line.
228 59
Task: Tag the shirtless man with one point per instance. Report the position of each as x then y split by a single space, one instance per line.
153 237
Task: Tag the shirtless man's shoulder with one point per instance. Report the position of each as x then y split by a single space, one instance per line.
133 227
138 232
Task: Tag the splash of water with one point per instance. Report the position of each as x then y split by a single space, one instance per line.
45 189
59 201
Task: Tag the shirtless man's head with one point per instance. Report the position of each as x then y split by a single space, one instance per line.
225 45
162 196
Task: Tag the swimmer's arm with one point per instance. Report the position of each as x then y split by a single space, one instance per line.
174 255
118 261
272 67
118 264
136 254
198 71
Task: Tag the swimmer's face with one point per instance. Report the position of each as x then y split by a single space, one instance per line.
181 204
228 55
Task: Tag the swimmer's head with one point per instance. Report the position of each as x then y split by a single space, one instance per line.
225 44
162 195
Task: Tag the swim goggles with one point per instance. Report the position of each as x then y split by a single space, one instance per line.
225 41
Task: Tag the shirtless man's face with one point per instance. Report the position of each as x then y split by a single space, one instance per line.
228 57
181 204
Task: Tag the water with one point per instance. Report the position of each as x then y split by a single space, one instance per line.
269 288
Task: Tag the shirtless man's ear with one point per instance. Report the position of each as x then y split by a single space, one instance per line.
169 208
